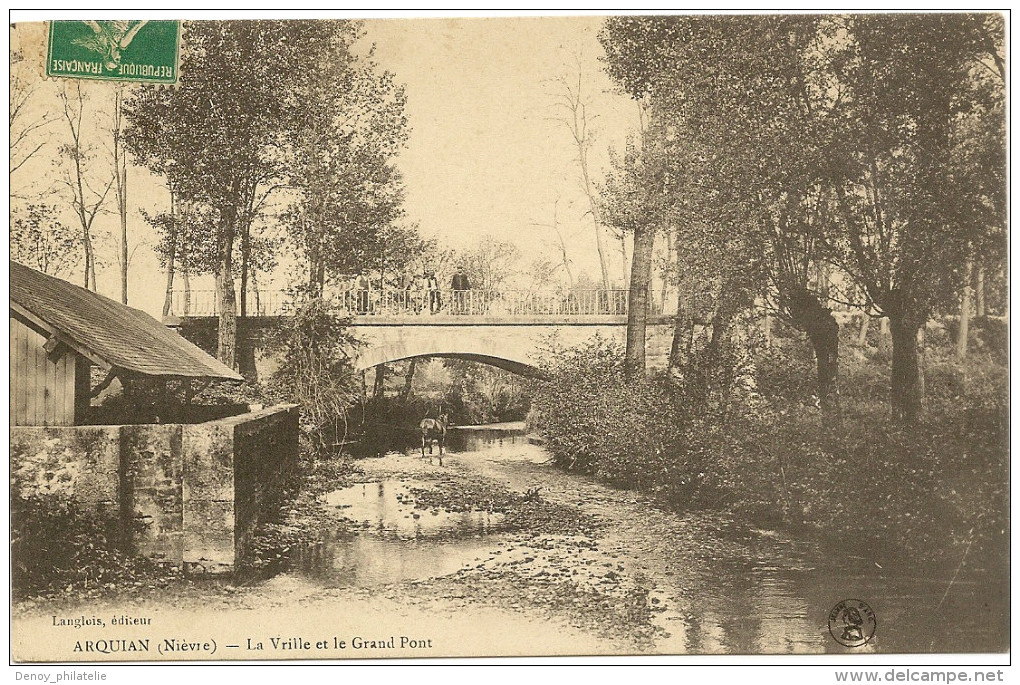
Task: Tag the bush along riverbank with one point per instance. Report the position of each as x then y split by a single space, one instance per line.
739 432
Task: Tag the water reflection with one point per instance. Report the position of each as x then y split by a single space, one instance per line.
734 590
388 509
366 561
399 541
779 603
459 439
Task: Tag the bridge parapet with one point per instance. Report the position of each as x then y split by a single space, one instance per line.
410 306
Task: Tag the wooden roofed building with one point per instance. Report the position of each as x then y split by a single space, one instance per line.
59 331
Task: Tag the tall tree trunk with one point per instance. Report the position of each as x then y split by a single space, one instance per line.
87 244
862 337
594 206
316 263
884 341
721 321
683 321
226 347
122 206
379 386
408 379
124 247
245 265
637 306
577 122
186 277
171 258
246 353
815 319
963 330
906 393
92 265
680 328
246 220
665 270
120 180
169 298
625 261
563 244
979 291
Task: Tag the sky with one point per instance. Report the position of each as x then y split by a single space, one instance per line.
486 154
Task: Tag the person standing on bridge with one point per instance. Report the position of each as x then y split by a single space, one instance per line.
460 287
361 286
432 286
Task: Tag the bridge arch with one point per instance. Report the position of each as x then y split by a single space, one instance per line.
507 354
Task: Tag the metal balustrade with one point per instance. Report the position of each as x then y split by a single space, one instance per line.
423 303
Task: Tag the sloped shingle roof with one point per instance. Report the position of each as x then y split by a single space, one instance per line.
119 335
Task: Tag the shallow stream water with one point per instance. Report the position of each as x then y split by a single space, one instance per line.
773 597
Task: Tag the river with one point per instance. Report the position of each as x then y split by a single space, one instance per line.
499 553
675 583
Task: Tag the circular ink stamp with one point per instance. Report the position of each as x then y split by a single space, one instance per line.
852 623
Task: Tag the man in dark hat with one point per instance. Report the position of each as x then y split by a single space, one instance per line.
432 286
460 287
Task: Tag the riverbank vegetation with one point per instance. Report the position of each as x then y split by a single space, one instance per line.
746 436
59 549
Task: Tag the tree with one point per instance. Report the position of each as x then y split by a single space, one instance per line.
120 185
25 126
981 154
491 264
635 201
905 205
561 244
86 193
702 145
572 104
184 242
42 242
345 132
316 370
824 139
216 137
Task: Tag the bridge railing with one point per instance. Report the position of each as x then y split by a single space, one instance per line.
414 303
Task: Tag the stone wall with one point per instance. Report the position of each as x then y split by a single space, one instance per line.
152 509
265 454
185 495
234 471
78 462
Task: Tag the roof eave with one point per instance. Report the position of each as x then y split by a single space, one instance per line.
39 323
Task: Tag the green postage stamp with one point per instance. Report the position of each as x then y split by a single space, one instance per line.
145 51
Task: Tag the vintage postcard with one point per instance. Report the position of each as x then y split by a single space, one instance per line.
517 336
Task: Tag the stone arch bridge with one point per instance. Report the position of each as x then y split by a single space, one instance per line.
516 345
508 330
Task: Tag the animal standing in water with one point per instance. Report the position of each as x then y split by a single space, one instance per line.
434 429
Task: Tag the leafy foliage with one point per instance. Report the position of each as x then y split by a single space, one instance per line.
316 370
772 457
250 119
42 242
872 142
480 393
59 547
